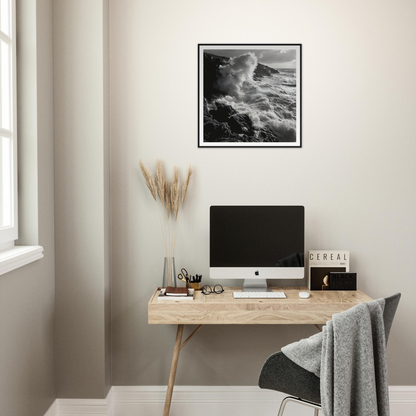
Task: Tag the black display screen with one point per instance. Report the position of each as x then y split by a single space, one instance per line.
257 236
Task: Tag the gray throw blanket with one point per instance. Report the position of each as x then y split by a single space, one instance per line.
350 358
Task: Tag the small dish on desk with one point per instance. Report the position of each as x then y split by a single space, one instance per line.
304 295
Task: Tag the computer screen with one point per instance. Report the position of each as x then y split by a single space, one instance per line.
256 242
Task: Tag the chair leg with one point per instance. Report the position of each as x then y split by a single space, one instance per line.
283 405
297 400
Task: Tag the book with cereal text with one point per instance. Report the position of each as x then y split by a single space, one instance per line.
322 262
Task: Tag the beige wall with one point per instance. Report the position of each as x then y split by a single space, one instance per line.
82 198
27 295
355 173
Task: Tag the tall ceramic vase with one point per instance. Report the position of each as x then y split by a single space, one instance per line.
169 272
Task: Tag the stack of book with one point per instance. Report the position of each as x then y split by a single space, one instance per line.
176 293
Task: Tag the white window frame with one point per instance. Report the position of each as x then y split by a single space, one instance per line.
9 233
12 256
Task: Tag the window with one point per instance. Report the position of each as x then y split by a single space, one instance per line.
11 256
8 146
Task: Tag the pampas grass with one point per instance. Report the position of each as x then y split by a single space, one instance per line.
168 209
160 181
166 197
174 193
148 179
186 183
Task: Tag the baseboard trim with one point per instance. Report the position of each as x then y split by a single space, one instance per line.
203 400
402 394
194 394
84 407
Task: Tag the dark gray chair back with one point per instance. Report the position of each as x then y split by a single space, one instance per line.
389 311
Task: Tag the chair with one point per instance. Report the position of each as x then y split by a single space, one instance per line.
281 374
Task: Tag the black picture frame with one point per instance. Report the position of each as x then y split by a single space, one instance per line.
250 95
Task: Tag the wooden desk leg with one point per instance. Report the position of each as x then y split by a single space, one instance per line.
173 368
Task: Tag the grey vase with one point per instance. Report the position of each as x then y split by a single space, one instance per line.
169 272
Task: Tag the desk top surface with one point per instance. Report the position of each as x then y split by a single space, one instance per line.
218 309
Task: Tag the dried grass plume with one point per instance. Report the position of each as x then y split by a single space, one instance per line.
167 197
160 180
186 183
148 179
174 193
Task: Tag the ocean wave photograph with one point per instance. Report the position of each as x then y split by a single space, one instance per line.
249 95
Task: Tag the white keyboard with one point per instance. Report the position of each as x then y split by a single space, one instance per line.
259 295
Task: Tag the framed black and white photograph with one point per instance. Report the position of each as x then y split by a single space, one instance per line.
249 95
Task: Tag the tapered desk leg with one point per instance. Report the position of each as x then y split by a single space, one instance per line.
173 368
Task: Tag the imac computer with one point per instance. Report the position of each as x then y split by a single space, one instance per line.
256 243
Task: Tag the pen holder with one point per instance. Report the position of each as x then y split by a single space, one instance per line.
195 286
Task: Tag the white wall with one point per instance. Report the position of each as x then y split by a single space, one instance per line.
355 173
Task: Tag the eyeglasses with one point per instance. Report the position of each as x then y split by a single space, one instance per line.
207 290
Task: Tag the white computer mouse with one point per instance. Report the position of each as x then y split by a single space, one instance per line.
304 295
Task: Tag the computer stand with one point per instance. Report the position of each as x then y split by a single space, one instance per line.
255 285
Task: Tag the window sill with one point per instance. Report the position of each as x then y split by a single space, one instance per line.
18 256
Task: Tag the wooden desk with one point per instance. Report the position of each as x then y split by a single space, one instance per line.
223 309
